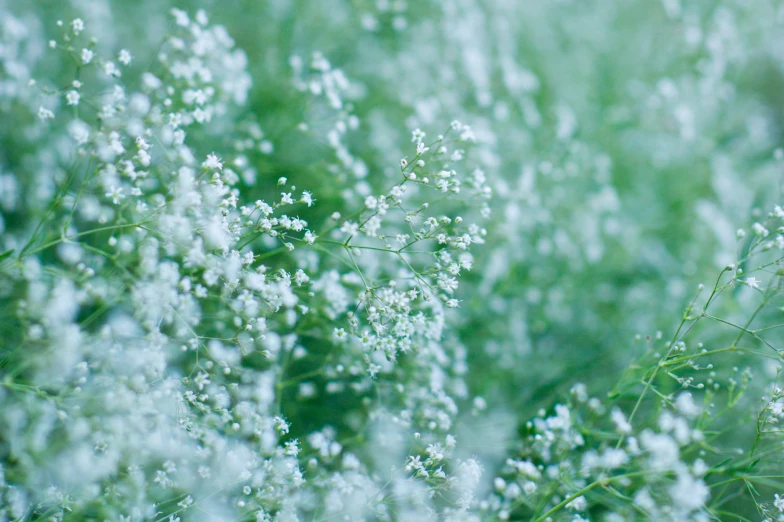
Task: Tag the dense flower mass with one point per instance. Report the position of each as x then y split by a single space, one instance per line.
390 261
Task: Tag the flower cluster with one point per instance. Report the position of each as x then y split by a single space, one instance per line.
234 287
172 310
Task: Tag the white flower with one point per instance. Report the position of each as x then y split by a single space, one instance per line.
753 282
116 194
77 25
578 504
292 448
201 17
45 114
760 230
72 97
124 57
212 162
79 131
307 198
180 17
87 56
686 405
663 450
688 492
110 69
779 502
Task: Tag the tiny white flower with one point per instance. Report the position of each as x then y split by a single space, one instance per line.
87 56
578 504
201 17
77 25
72 97
116 194
292 448
79 131
307 198
180 17
111 70
45 114
779 502
124 57
212 162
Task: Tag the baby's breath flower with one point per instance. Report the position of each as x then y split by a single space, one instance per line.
72 97
115 194
87 56
77 25
778 502
110 69
213 162
170 312
45 114
124 57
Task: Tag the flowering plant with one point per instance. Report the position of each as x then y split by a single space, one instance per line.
240 283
